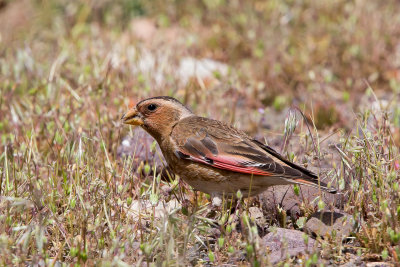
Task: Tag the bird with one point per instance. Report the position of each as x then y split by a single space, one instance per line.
212 156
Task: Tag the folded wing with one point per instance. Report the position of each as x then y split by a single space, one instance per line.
215 145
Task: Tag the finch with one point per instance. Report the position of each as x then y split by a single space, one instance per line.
212 156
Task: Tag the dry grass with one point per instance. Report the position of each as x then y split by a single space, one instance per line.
67 75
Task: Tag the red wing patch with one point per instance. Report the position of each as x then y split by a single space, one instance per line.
228 163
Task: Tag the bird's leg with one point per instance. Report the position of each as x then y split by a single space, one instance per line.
166 174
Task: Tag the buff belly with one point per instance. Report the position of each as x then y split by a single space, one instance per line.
215 181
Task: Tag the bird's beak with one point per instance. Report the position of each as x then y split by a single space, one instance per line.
132 117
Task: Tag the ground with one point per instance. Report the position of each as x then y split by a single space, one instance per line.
317 80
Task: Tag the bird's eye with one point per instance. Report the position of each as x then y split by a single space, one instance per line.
152 107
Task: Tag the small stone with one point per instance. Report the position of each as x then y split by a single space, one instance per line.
142 209
203 69
257 216
316 227
214 232
138 147
216 201
283 242
353 260
326 223
284 196
143 29
126 142
166 190
379 264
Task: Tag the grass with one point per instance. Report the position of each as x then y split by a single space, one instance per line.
68 75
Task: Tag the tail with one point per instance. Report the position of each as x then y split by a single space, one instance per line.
306 177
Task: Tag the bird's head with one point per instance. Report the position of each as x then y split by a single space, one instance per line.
157 115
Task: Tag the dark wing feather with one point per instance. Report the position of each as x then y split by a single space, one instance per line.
272 151
216 144
307 174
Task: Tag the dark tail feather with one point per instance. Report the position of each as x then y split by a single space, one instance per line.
313 178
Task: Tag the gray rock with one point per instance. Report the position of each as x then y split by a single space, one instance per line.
284 196
257 216
142 210
139 147
379 264
283 242
330 223
353 261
